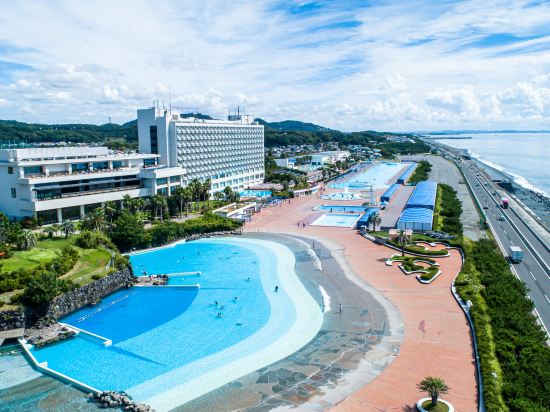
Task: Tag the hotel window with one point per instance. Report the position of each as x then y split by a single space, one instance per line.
162 181
13 193
174 179
154 139
10 170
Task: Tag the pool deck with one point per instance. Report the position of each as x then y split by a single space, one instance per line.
437 337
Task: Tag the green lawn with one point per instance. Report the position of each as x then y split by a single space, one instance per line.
92 261
44 251
440 407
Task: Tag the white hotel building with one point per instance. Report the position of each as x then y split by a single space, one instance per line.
63 183
229 152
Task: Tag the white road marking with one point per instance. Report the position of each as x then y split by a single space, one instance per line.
548 300
533 276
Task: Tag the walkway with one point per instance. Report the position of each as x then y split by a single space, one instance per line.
437 336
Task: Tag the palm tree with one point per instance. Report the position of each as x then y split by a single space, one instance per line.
376 220
126 202
67 227
196 190
433 387
218 196
206 186
97 219
110 211
27 239
158 203
50 230
402 240
228 192
177 195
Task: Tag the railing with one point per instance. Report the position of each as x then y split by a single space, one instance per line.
90 192
80 172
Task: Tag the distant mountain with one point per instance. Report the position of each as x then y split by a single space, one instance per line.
293 126
445 132
14 131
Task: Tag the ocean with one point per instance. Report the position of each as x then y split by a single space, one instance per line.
522 156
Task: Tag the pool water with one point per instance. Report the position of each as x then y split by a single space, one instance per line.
166 337
337 220
255 193
378 176
342 196
342 208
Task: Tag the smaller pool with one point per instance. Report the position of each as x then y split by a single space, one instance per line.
255 193
337 220
342 208
342 196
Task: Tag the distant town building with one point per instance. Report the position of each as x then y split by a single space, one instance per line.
329 157
229 152
61 183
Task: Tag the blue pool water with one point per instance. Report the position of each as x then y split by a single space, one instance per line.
378 176
168 336
348 208
255 193
337 219
342 196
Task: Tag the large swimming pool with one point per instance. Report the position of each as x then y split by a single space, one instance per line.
377 176
337 219
343 208
168 343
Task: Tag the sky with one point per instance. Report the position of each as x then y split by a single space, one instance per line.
349 65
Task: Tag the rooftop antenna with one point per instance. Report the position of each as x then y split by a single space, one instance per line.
109 119
170 99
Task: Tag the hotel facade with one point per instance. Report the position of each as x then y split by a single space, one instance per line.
65 183
229 152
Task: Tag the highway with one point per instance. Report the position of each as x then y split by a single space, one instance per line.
509 229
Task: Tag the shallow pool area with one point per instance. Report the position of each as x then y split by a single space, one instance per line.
337 220
342 208
342 196
255 193
377 176
171 344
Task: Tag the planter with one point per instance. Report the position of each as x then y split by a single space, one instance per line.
421 401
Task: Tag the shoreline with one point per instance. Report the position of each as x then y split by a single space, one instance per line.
351 348
536 202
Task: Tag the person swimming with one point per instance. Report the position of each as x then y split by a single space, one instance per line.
235 298
248 279
216 302
219 315
276 288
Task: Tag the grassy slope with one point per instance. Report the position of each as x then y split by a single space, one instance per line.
44 251
92 261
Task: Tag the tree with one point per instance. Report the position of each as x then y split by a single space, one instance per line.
196 190
179 196
159 205
376 220
206 191
433 387
128 231
41 290
68 228
218 196
97 219
27 239
50 231
402 240
110 210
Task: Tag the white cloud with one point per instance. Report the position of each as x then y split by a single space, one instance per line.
399 66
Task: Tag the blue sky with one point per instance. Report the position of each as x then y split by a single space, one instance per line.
350 65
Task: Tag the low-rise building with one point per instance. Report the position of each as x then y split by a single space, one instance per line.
61 183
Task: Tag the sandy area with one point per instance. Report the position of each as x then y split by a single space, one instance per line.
437 337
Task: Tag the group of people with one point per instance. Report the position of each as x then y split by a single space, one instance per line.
216 304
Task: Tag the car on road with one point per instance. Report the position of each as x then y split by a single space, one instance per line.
501 218
477 184
485 206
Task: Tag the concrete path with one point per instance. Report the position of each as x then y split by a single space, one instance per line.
437 336
395 207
